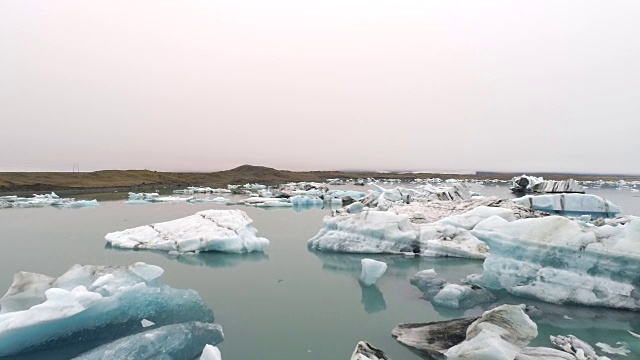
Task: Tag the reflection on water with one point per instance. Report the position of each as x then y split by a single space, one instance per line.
372 298
209 259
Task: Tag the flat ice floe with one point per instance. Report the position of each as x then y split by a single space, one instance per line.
209 230
91 304
559 260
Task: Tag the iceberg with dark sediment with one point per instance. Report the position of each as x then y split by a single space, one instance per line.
502 333
366 351
570 204
425 228
559 260
532 184
91 305
442 293
209 230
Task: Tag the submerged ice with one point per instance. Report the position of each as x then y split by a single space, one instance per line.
209 230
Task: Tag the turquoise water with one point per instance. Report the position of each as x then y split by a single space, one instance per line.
290 303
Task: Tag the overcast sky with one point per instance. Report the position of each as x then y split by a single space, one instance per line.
332 84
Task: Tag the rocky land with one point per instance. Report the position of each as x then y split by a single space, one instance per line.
136 180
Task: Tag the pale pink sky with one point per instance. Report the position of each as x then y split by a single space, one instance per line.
382 85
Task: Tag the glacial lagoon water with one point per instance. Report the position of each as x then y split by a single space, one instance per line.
290 303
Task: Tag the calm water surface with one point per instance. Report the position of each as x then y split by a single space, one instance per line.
290 303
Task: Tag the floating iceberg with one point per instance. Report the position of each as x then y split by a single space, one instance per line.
385 232
90 304
570 204
209 230
178 341
443 293
528 184
502 333
372 270
366 351
558 260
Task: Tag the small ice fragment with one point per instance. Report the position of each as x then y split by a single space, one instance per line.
372 270
622 350
146 323
567 317
210 352
634 334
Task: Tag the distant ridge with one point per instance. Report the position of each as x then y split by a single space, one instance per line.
138 180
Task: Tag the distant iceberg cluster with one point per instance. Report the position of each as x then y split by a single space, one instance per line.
432 221
44 200
127 309
209 230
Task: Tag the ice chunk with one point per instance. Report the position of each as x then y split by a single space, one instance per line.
474 216
305 201
372 270
575 346
45 200
557 260
502 333
499 334
178 341
443 293
90 303
570 204
444 240
366 232
146 323
621 350
386 232
366 351
210 230
210 352
274 203
534 184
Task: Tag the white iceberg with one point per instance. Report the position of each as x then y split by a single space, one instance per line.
372 270
177 341
210 352
570 203
557 260
385 232
209 230
90 303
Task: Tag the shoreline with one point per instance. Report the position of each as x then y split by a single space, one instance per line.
26 183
